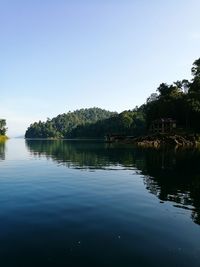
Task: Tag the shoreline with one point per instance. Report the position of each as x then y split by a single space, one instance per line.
151 140
174 139
67 139
3 138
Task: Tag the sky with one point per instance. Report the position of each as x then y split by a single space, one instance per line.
61 55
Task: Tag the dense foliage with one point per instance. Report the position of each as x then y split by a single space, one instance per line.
179 101
131 122
89 123
2 127
62 125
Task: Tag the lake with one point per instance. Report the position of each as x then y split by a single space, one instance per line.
87 203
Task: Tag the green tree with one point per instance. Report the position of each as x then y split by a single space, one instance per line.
3 127
195 85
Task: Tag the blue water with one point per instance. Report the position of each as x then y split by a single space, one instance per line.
70 203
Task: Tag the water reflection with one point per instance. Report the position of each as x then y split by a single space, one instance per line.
172 175
2 150
85 155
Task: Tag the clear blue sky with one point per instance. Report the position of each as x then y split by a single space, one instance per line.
61 55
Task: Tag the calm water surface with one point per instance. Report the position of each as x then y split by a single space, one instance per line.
72 203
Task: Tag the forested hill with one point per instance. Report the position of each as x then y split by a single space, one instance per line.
62 125
179 101
129 122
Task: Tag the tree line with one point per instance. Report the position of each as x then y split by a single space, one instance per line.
179 101
62 125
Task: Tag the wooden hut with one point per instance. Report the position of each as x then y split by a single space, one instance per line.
165 125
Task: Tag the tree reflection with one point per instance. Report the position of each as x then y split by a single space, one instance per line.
171 175
174 175
2 150
85 155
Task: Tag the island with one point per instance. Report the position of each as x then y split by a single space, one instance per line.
170 115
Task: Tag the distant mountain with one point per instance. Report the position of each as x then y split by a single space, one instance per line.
19 137
62 125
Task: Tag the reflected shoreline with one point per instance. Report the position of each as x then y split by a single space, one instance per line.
2 150
170 174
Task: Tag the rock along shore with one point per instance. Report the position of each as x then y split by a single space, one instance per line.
156 140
